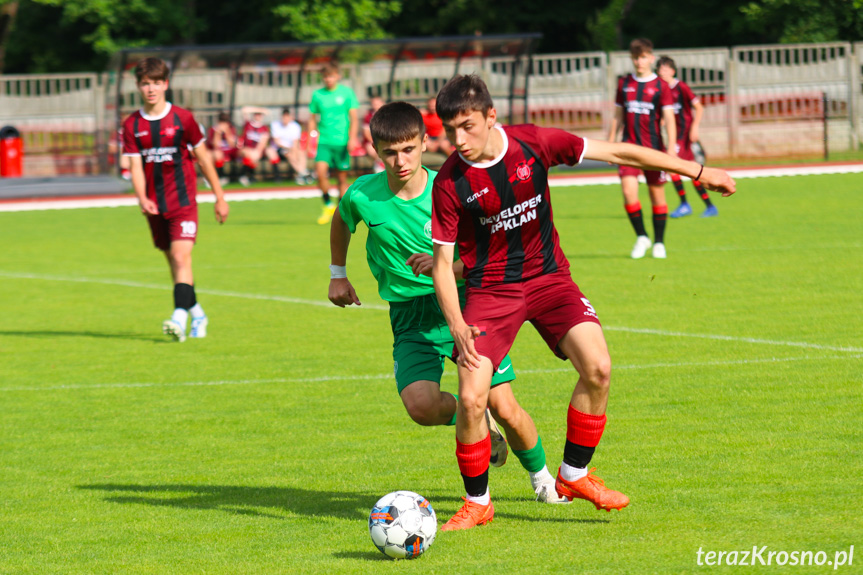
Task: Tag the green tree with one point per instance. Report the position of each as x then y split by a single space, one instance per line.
793 21
312 20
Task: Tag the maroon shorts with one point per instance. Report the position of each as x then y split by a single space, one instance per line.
684 150
552 303
180 224
653 177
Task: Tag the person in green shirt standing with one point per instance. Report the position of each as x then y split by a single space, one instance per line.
337 106
396 207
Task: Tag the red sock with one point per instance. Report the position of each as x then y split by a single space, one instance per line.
632 208
473 457
220 163
249 163
583 428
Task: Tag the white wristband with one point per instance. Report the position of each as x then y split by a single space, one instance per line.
338 272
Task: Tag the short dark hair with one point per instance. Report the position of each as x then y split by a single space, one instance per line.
331 67
463 95
640 46
396 122
224 117
152 68
666 61
287 110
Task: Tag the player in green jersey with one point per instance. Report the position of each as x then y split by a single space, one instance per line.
338 126
396 206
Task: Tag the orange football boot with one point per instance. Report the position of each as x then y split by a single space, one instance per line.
593 489
470 515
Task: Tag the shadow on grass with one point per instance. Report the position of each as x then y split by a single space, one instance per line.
243 500
274 502
53 333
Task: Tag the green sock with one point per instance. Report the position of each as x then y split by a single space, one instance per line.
532 460
452 421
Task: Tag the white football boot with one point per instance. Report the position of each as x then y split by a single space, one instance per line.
499 450
642 244
174 329
199 327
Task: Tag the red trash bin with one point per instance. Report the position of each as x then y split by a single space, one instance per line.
11 153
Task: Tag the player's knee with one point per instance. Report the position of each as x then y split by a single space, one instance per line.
472 405
422 414
597 375
506 413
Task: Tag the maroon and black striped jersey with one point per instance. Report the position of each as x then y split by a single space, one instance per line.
252 134
498 213
163 143
643 100
683 99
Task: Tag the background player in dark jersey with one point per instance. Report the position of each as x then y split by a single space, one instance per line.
224 143
160 139
643 102
255 144
688 111
492 200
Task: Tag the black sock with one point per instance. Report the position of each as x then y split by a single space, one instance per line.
678 185
637 220
577 455
703 193
184 296
659 226
276 176
476 486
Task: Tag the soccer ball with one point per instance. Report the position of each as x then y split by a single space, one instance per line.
402 524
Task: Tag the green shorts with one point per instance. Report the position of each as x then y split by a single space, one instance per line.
422 341
336 157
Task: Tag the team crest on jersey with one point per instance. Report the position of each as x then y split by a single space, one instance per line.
169 131
427 229
523 172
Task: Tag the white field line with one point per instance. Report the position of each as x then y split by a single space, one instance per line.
555 182
738 174
388 376
27 205
166 287
321 303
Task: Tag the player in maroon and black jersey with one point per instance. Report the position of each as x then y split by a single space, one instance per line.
685 103
643 102
160 140
224 144
491 200
255 144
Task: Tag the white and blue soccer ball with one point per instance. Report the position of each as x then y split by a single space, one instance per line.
402 524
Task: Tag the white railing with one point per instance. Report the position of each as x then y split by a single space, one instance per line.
755 96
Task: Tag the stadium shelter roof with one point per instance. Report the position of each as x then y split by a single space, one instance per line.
306 56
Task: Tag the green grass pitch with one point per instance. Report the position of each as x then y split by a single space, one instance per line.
734 420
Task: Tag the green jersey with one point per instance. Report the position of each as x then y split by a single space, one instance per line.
397 229
333 107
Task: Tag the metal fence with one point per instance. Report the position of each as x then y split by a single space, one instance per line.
760 101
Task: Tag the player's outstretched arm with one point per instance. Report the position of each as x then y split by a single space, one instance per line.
447 295
341 292
221 208
713 179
